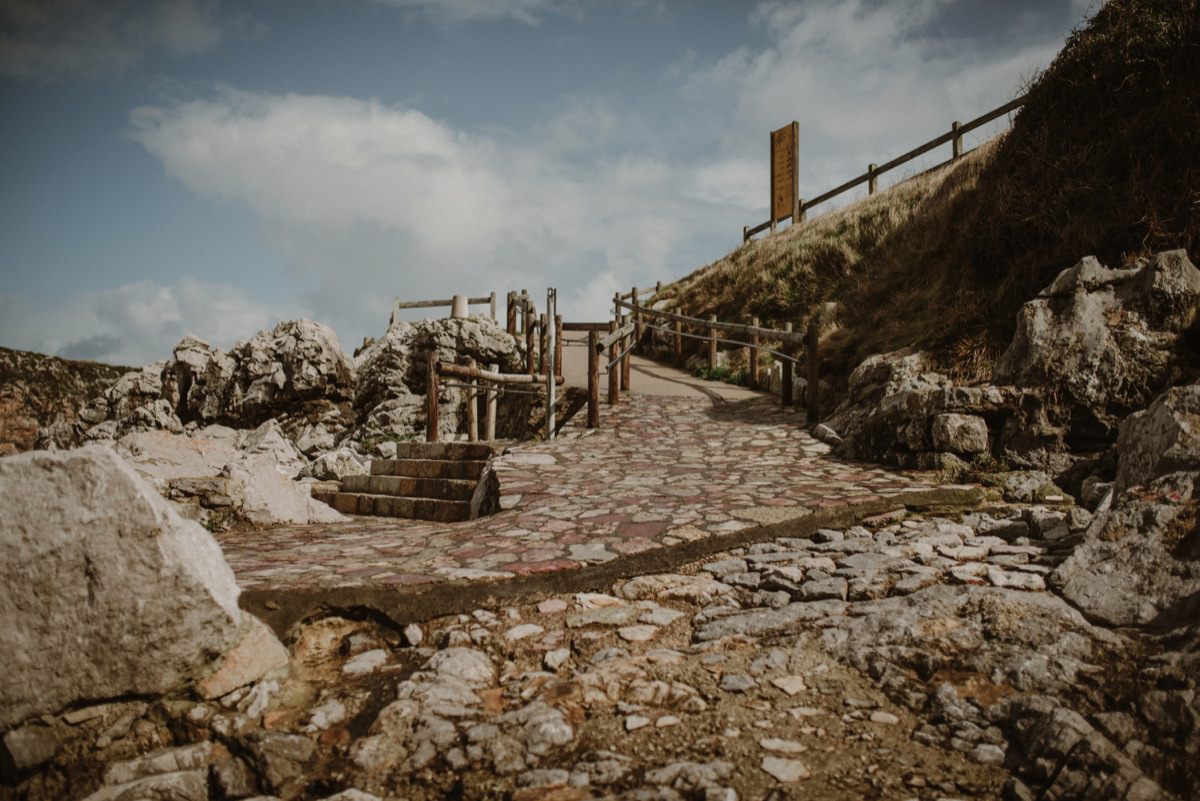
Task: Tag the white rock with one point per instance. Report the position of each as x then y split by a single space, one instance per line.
635 722
785 770
782 746
266 498
465 664
413 634
104 590
366 662
637 633
790 684
660 616
886 718
523 631
556 658
269 440
257 654
168 760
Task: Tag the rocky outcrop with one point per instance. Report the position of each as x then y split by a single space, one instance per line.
37 391
393 375
1106 342
106 592
1140 561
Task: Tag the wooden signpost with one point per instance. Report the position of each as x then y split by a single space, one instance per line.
785 174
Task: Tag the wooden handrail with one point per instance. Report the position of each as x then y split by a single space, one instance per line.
431 304
790 337
954 135
614 337
462 371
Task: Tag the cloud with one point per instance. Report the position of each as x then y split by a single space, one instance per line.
866 81
136 323
368 200
49 40
455 12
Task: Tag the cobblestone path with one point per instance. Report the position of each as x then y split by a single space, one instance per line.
660 471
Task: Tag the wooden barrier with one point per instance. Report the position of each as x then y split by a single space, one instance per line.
558 344
754 355
870 177
471 374
614 381
678 343
489 416
398 304
626 355
789 367
472 407
712 342
530 353
812 357
431 399
593 408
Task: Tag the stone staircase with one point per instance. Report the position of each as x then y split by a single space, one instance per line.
442 481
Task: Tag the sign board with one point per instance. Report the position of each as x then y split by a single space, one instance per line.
785 181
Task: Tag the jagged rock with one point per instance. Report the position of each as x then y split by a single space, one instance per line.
298 360
167 760
336 465
189 785
105 591
27 747
1164 438
268 440
959 433
259 653
264 497
392 374
1105 341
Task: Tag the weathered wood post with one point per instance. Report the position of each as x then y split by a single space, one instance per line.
789 367
637 319
543 342
754 355
489 418
558 341
872 179
593 409
472 406
956 142
745 234
431 399
530 345
523 299
814 371
492 303
803 211
627 358
678 343
549 362
512 313
712 342
614 381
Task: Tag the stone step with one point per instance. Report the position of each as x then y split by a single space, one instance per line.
473 451
469 470
361 503
438 488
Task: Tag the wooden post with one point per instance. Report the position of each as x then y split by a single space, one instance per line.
712 342
431 399
745 234
657 288
771 204
872 180
489 419
637 319
754 355
625 343
614 382
550 360
593 412
542 342
512 313
530 345
558 341
524 303
956 142
803 211
814 372
788 368
678 343
472 407
492 303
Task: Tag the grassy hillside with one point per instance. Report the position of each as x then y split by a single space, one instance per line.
1103 159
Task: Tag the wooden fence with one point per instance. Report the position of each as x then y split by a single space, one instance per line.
871 176
398 304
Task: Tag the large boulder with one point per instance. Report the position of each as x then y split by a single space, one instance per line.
393 374
1138 563
104 591
260 495
1105 342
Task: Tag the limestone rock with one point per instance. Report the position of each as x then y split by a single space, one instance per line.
1161 439
264 497
1106 341
106 591
960 433
258 654
269 440
336 465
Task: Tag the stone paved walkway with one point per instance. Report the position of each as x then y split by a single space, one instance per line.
661 471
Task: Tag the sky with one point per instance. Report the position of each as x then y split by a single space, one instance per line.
201 167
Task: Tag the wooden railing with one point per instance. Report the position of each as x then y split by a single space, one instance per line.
398 304
469 378
871 176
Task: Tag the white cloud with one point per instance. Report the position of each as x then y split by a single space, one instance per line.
56 39
453 12
136 323
866 81
369 200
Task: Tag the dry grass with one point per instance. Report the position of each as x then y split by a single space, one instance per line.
1104 159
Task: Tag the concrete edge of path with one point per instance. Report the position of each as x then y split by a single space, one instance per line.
285 607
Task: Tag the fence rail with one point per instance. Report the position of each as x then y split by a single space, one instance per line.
398 304
953 136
